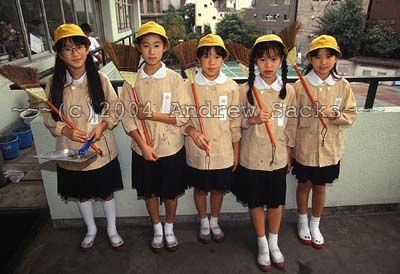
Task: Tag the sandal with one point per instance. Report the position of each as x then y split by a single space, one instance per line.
88 241
263 261
116 241
172 246
277 258
217 234
204 235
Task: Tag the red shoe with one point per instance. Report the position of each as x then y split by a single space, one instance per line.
116 242
263 261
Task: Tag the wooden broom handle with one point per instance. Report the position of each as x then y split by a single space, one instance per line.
69 123
259 103
306 88
144 127
196 102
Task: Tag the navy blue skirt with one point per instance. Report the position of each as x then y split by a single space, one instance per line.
258 188
317 175
206 180
96 183
163 178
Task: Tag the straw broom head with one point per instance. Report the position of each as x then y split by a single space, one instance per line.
288 35
187 57
126 58
240 53
26 78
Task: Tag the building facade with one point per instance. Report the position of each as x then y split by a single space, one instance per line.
271 15
152 10
387 10
27 28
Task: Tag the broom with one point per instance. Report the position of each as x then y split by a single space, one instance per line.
126 58
27 78
288 35
186 54
242 56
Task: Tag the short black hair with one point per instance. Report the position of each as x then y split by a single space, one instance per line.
85 27
204 51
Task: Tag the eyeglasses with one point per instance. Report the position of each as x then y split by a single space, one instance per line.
67 51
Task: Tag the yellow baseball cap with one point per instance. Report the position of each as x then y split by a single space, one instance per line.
68 30
324 41
212 40
152 27
271 38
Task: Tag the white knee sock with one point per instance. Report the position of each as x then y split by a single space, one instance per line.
110 212
86 209
302 227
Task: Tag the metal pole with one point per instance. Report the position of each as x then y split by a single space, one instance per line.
46 27
369 101
23 29
85 6
62 11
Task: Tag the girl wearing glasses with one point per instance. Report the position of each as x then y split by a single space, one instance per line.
86 97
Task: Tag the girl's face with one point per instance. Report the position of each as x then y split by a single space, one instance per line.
323 63
74 55
268 65
211 64
152 49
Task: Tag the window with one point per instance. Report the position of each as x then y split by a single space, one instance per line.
205 5
69 14
199 14
366 72
285 17
53 15
380 73
214 17
274 2
287 2
124 14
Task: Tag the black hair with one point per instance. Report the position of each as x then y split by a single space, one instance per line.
85 27
96 91
258 52
314 53
204 51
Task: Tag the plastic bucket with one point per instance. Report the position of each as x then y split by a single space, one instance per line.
25 135
9 146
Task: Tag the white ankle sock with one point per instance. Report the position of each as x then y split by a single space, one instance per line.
214 225
86 209
302 227
110 212
204 224
169 232
314 229
276 254
273 241
158 230
263 251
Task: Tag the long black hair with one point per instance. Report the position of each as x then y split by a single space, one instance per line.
314 53
96 91
204 51
258 52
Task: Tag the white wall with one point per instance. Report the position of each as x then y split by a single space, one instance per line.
370 171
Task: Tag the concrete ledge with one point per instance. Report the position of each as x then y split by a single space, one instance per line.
233 217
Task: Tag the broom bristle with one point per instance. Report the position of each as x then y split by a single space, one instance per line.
124 57
186 53
288 34
239 52
24 77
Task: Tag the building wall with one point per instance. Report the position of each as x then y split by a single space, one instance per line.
280 11
368 175
207 14
385 10
307 12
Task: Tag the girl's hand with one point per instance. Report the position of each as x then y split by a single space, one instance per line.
199 139
74 134
262 117
97 132
143 111
331 112
235 156
148 152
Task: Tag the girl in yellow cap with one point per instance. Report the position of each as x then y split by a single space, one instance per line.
317 162
217 94
261 182
157 169
87 98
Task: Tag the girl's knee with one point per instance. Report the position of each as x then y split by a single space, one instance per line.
319 189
